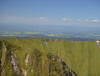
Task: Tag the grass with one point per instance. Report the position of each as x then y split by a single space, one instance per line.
83 57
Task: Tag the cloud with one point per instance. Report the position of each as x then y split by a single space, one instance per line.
82 20
79 20
10 19
42 18
95 20
46 20
66 19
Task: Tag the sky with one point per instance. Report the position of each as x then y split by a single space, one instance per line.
50 12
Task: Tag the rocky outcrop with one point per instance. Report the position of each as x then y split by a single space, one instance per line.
33 63
98 43
14 64
67 70
64 70
27 59
3 53
24 72
7 58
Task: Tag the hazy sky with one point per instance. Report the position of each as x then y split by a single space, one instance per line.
56 12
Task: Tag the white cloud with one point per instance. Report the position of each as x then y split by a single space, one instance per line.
79 20
42 18
82 20
45 20
65 19
95 20
9 19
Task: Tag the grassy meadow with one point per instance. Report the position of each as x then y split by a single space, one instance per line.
83 57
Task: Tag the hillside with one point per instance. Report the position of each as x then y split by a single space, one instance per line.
48 57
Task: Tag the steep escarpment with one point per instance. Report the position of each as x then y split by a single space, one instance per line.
15 60
48 57
8 61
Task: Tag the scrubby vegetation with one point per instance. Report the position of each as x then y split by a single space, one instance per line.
48 57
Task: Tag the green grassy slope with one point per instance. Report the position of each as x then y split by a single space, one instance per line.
81 56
